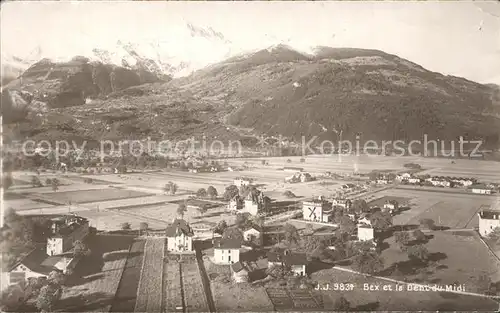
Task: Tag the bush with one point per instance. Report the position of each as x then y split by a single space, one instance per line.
125 226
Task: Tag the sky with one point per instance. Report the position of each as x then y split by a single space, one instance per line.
455 38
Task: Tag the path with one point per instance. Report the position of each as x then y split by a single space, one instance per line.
205 280
149 291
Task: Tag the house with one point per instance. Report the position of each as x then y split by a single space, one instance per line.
382 181
179 236
414 180
365 232
296 261
241 182
235 204
403 176
239 272
38 264
226 251
253 203
481 189
488 221
341 202
193 170
365 220
253 234
292 169
65 231
317 210
391 206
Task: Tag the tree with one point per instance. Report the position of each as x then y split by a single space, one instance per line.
279 271
143 226
402 238
419 235
35 181
291 234
48 181
202 209
368 262
418 252
231 192
212 192
289 194
181 209
373 175
125 226
7 181
381 221
55 184
428 223
48 296
342 305
80 249
221 227
202 193
242 220
288 161
233 233
360 206
56 277
302 160
494 236
263 162
170 187
347 225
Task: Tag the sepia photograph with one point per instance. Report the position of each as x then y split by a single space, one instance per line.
248 156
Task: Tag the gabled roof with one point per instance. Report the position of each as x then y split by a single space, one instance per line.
178 226
34 261
230 243
252 226
291 258
489 214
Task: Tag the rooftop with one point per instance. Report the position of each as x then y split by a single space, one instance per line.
178 226
237 267
291 258
36 262
490 214
229 243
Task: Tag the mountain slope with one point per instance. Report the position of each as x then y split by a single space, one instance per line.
274 91
381 96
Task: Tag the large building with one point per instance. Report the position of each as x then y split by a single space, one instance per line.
296 261
488 221
254 203
179 236
317 210
365 232
226 251
65 231
481 189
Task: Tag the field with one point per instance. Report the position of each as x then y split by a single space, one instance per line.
230 297
448 210
461 255
380 201
149 292
361 300
126 295
195 297
97 277
95 195
172 286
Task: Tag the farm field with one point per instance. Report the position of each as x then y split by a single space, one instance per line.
99 275
380 201
172 286
149 291
168 211
450 210
195 298
462 258
94 195
230 297
24 204
126 294
110 221
381 300
482 170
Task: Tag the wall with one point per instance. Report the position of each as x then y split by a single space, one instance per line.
221 256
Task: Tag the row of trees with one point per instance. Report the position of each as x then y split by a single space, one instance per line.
53 182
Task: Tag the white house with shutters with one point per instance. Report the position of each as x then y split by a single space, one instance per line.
179 236
488 221
226 251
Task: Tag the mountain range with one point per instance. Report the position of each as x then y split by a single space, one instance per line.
277 91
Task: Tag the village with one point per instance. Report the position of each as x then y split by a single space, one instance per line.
252 233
